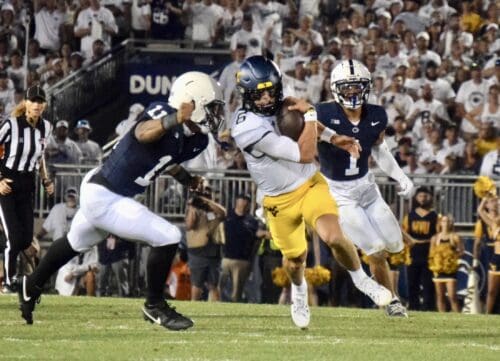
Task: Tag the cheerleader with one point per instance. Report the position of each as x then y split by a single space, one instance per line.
446 249
492 220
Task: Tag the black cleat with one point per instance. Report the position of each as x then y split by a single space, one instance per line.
26 304
166 315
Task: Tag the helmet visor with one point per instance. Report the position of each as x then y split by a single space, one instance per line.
214 116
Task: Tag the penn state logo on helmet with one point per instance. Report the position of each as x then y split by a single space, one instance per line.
256 76
206 94
350 82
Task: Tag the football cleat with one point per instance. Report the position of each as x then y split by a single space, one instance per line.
165 315
396 309
26 303
380 295
300 308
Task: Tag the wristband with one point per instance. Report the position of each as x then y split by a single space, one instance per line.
183 177
168 121
310 115
327 134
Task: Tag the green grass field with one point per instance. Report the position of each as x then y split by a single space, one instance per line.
81 328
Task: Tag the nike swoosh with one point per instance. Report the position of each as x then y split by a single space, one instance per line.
25 296
155 320
374 123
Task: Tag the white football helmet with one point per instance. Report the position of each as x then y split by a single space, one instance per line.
350 82
206 94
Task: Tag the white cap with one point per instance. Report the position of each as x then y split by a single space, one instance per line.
424 34
8 6
62 123
492 26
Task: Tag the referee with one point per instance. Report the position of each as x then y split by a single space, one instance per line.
23 137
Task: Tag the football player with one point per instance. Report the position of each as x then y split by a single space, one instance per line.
290 188
364 216
166 135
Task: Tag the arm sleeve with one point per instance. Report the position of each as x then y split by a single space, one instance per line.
279 147
386 161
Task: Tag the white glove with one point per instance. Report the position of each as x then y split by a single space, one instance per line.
406 186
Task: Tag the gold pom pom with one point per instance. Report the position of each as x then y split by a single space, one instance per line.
443 259
317 276
280 278
484 186
400 258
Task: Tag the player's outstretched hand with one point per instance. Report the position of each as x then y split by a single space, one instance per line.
185 111
406 187
299 104
349 144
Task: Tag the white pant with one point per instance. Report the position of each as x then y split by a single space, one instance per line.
364 216
102 212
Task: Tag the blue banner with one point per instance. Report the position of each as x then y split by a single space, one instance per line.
151 80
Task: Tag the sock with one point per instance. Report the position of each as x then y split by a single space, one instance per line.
302 288
358 275
159 262
59 253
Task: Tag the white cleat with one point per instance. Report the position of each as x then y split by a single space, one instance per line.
380 295
396 309
300 308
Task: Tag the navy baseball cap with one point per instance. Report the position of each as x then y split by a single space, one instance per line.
36 93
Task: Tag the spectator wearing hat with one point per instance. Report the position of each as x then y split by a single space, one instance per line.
48 22
17 182
248 35
391 60
422 53
60 148
76 61
471 94
91 151
242 241
441 89
413 167
492 68
397 131
10 29
57 223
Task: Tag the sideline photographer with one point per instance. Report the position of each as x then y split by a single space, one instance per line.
204 236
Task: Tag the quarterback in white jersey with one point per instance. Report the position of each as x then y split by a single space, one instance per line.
293 192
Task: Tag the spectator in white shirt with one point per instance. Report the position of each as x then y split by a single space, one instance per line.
433 159
422 53
95 22
488 112
470 95
204 16
231 19
395 100
393 58
413 168
452 142
306 33
441 89
48 22
491 163
35 58
246 35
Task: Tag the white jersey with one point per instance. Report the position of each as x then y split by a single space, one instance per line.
273 176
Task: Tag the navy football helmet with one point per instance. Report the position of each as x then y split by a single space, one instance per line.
255 76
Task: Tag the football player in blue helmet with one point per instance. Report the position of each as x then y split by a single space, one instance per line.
256 77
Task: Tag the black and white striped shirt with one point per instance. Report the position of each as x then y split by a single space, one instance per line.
23 144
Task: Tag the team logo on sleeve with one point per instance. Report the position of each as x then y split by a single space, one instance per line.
334 121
